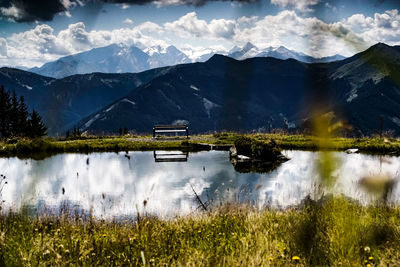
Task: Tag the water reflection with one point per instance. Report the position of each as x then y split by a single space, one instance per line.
115 184
162 156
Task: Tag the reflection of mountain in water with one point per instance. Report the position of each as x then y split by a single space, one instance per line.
115 186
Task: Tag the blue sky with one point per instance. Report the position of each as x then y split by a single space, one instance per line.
309 26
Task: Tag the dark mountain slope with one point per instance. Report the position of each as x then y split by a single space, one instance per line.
64 102
224 93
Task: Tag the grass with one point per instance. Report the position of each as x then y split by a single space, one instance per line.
43 147
309 142
331 232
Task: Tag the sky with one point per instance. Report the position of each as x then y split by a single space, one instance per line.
33 32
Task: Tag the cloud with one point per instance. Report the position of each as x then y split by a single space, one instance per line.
29 11
3 48
124 6
297 32
190 25
301 5
45 10
40 44
127 21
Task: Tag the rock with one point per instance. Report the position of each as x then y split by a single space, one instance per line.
243 158
251 155
233 152
352 150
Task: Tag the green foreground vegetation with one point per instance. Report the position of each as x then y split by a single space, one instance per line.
330 232
47 146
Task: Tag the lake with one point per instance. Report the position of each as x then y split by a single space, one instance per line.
110 185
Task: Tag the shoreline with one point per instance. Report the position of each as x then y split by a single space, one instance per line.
50 146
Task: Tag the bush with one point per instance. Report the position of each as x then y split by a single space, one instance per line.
265 150
243 145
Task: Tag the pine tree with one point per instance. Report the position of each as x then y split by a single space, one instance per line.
14 114
22 118
5 106
15 119
36 126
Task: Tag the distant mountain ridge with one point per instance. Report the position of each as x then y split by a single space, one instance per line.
118 58
112 59
250 50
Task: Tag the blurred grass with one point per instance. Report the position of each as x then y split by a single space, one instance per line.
101 144
330 232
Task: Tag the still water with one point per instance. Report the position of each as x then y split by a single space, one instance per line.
119 184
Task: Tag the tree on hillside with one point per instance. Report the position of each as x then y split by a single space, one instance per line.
35 125
22 126
14 114
15 119
5 107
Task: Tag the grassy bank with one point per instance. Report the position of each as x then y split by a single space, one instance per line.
308 142
143 143
330 233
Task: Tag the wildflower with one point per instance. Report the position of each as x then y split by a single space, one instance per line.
199 231
270 259
367 249
104 235
295 258
371 258
369 265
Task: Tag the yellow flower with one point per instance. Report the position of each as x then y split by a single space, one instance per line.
295 258
199 231
270 259
368 265
371 258
104 235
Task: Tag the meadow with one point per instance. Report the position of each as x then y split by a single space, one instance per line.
330 232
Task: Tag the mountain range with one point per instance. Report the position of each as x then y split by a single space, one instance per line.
257 93
118 58
222 94
281 52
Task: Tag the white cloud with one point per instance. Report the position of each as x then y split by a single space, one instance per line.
301 5
11 12
125 6
190 25
197 36
3 48
127 21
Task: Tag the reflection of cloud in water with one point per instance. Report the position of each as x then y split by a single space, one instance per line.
113 185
